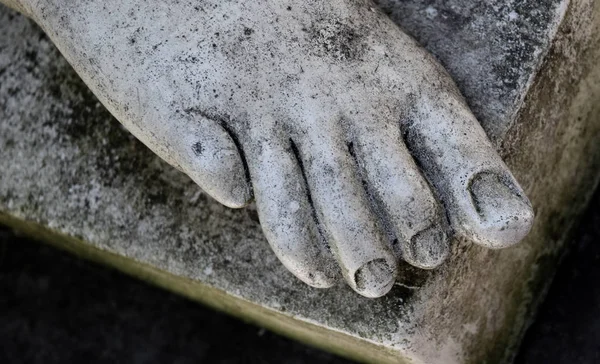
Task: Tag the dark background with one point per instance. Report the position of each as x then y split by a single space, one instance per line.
56 308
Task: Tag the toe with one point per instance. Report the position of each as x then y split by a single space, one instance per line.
207 153
365 257
401 194
286 215
483 200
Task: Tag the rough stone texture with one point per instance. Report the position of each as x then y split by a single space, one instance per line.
72 175
492 48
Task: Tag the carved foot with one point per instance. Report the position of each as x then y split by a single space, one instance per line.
349 132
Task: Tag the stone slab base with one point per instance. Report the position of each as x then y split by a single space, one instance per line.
71 175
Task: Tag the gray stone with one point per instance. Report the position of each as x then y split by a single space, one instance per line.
72 175
348 127
492 49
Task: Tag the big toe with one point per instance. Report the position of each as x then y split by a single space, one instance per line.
483 201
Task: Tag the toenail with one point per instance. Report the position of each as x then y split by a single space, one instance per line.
503 210
375 278
428 248
490 192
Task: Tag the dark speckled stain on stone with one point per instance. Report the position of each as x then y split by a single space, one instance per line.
96 131
197 148
336 39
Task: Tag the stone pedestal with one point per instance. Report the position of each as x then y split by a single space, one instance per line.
71 175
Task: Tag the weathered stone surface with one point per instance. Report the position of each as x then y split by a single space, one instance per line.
493 49
71 174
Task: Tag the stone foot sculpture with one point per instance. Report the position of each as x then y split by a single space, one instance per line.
356 144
